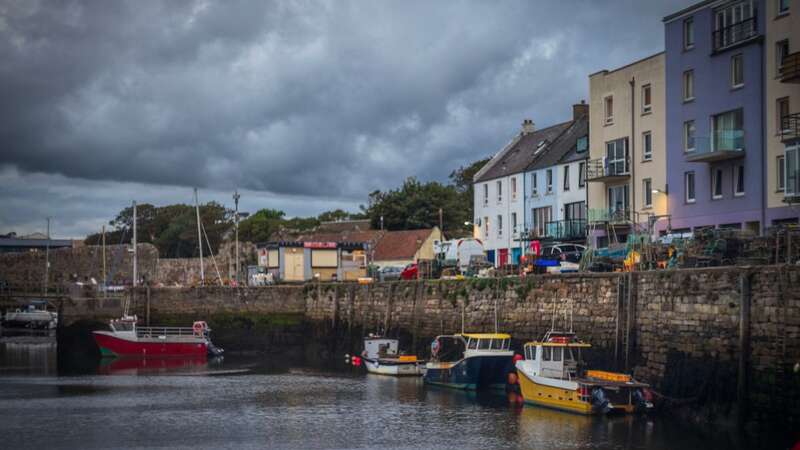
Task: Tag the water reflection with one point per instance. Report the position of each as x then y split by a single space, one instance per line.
152 366
28 355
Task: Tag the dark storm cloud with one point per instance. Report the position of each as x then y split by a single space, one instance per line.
324 99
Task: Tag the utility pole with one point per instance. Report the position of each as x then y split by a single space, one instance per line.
135 249
441 227
199 238
105 281
47 259
236 232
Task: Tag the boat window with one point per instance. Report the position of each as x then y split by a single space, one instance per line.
546 353
506 344
497 344
531 353
472 344
557 354
568 354
483 344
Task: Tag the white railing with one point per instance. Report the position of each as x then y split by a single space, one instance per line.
166 331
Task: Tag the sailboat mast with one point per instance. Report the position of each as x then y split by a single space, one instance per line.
105 280
135 249
199 238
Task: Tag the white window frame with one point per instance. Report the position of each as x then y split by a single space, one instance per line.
647 150
780 54
566 178
792 154
716 180
549 176
608 112
781 173
514 222
534 184
486 227
513 188
688 85
499 191
688 33
737 192
647 108
485 194
781 10
686 126
647 195
740 58
778 103
581 174
686 177
499 225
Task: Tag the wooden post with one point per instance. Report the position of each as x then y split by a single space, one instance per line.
744 346
617 324
147 313
628 319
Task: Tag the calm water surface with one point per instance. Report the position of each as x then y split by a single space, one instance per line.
247 403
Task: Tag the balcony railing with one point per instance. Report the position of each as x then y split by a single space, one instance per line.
735 33
790 68
790 127
566 230
610 215
720 146
603 169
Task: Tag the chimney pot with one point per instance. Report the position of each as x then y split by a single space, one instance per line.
580 109
527 126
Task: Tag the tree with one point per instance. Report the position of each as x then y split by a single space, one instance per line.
259 226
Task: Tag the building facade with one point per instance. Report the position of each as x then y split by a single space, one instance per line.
626 171
782 110
714 111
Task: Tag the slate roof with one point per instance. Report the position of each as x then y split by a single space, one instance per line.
518 155
399 245
564 148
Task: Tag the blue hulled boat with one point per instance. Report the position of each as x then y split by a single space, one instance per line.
470 361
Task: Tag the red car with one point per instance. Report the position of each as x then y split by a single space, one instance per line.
410 272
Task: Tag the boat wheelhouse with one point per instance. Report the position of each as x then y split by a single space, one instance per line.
382 356
126 338
470 361
551 375
34 315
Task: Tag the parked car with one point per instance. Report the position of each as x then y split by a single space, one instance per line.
389 273
563 252
410 272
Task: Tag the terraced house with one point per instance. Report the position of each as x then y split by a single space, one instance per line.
517 199
627 166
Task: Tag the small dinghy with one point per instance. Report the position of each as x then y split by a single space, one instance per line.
381 355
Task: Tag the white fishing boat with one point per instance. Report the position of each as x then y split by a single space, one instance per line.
382 356
34 315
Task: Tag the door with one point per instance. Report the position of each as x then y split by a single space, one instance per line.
502 257
293 264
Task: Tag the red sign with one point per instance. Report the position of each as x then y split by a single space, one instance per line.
319 244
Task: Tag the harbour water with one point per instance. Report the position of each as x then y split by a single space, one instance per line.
248 402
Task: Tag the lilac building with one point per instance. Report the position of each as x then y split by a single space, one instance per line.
714 113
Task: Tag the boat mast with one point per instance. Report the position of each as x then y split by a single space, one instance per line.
105 280
199 238
236 226
47 258
135 251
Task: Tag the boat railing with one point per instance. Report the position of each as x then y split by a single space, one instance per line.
166 331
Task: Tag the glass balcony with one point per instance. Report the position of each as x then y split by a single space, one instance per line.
720 146
735 33
790 127
610 215
566 230
604 169
790 68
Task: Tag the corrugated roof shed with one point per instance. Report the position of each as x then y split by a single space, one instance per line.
400 245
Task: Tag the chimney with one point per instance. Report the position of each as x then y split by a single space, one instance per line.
581 109
527 126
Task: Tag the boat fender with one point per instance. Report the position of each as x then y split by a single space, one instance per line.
640 400
517 357
512 378
198 327
435 348
600 401
356 361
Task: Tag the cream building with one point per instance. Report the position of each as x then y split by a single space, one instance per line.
782 110
626 171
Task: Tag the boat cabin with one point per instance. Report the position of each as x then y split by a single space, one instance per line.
376 347
126 323
557 356
487 342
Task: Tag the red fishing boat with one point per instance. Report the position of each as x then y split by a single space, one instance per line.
127 339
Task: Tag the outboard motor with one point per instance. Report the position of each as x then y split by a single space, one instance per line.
641 399
600 401
213 350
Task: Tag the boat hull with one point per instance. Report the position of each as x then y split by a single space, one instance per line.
397 369
551 396
111 345
472 373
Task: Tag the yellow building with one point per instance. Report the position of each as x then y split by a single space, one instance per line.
626 170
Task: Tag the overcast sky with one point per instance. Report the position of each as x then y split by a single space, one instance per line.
303 106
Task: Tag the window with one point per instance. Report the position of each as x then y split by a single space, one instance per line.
647 105
738 185
734 23
549 180
540 218
513 188
618 201
546 353
534 185
486 227
688 34
647 146
647 188
782 110
783 6
689 185
688 85
792 171
531 352
499 191
472 344
582 144
513 222
575 211
781 50
566 178
609 109
781 173
499 225
617 157
688 136
581 174
486 194
556 353
727 133
737 71
716 183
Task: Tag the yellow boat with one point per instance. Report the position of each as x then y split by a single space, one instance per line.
550 376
